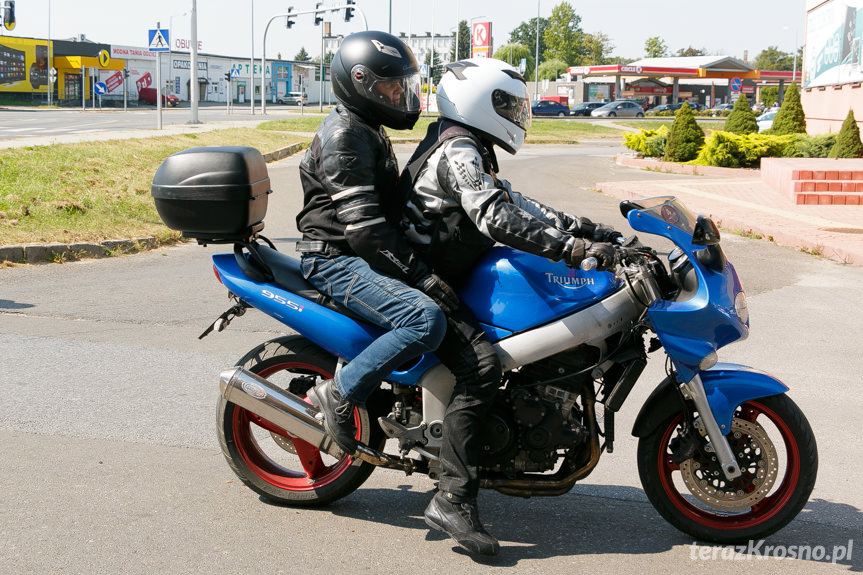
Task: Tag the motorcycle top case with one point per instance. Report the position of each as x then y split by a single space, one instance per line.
216 193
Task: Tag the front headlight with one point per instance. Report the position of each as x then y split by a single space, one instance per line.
741 307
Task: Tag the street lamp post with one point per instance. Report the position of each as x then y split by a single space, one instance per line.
536 59
252 68
193 77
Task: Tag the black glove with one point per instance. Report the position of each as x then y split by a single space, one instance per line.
602 251
437 289
604 233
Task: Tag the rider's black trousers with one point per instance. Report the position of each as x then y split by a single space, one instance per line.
469 355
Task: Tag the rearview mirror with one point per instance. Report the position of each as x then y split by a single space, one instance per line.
706 233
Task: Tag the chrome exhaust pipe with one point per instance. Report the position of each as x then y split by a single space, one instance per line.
298 418
257 395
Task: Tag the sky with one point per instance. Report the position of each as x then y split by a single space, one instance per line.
233 27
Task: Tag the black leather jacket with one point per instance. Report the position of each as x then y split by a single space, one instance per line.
458 207
351 202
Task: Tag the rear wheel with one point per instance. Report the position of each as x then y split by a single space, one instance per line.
265 457
612 115
639 115
775 448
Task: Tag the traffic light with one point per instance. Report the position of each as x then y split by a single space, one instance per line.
125 72
9 14
319 17
228 77
289 22
349 12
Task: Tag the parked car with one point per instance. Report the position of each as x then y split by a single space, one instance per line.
549 108
665 108
294 98
585 108
620 108
719 109
148 96
765 120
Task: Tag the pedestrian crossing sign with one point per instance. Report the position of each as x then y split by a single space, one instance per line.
159 41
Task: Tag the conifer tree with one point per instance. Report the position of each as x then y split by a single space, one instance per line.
848 144
790 118
741 120
685 137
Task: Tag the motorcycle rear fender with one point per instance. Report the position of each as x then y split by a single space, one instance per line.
727 386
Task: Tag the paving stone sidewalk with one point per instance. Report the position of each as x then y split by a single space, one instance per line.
749 206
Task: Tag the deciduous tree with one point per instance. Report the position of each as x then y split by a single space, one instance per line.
655 47
563 37
512 55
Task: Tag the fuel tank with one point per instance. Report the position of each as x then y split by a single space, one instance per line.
515 291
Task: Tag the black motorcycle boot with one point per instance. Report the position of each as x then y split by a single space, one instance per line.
338 415
461 522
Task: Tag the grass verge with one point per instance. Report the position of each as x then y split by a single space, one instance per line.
542 131
94 191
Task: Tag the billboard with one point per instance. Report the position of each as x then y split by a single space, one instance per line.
833 44
23 65
480 43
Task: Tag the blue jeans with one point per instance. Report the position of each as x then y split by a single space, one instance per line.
415 324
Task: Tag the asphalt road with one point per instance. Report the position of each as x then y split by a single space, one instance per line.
111 463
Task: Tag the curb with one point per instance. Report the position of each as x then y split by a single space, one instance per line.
634 161
60 253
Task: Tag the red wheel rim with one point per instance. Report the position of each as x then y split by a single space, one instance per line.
315 472
765 509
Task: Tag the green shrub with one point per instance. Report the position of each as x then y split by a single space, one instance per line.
790 118
685 137
848 144
741 120
728 150
654 146
648 142
806 146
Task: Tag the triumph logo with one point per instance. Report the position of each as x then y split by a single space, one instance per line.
569 282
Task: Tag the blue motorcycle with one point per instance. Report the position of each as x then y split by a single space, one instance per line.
723 453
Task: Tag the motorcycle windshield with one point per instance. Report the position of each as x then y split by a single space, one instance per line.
670 211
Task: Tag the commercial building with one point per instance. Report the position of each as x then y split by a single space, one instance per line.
25 65
832 64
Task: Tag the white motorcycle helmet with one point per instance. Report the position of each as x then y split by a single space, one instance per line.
489 96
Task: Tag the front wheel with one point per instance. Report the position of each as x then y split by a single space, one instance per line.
612 115
265 457
639 115
775 448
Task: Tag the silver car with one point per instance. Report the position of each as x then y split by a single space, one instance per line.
621 109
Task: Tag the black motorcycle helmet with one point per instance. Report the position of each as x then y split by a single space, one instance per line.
375 75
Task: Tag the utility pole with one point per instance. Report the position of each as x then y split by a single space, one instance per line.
193 77
536 60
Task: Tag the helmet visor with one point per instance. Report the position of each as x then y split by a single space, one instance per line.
514 108
401 94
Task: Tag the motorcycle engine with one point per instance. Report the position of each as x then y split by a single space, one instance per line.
538 415
526 428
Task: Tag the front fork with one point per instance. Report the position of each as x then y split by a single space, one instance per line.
695 391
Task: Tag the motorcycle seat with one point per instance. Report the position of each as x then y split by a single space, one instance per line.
288 275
